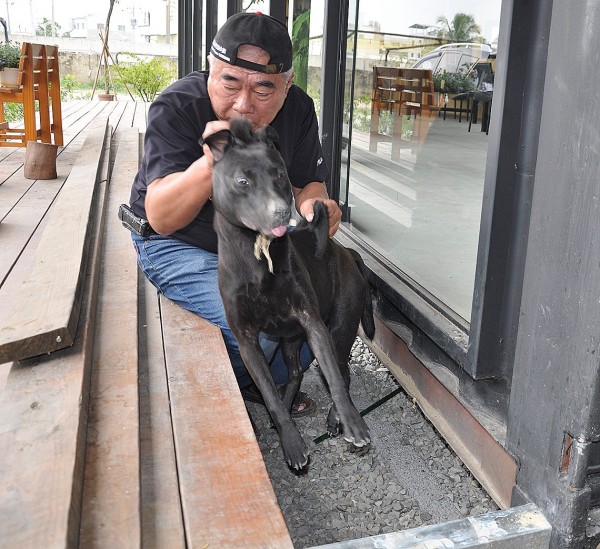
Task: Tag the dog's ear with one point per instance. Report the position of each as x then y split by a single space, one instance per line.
241 130
218 142
271 134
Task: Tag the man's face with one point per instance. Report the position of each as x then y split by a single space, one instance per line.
255 96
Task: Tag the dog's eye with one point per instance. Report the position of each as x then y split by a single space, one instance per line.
242 181
281 176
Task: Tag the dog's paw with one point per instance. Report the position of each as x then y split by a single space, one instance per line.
334 423
295 450
355 429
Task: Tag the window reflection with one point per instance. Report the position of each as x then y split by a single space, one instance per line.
422 90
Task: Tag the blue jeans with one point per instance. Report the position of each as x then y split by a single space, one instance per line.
188 276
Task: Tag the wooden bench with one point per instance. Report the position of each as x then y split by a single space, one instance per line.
137 431
38 80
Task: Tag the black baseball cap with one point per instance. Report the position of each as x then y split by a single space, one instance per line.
256 29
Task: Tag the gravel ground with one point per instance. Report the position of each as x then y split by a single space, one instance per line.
409 478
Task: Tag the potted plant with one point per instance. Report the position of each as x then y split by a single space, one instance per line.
450 86
10 56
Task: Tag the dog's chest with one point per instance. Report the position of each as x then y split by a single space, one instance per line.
268 306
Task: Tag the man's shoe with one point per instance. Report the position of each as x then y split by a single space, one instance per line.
303 405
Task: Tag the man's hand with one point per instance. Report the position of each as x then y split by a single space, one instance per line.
305 201
210 128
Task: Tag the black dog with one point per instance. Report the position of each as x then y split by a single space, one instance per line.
295 285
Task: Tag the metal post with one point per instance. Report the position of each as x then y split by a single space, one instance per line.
332 89
554 414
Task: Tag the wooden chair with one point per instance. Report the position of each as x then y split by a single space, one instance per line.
401 92
39 80
54 87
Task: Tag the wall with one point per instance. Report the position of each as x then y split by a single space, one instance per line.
80 57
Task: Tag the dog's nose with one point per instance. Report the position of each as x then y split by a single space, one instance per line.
282 214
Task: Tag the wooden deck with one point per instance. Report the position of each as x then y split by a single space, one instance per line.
134 433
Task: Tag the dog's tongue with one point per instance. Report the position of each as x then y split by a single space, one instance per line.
279 231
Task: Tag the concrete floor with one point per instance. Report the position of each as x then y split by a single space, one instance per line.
423 212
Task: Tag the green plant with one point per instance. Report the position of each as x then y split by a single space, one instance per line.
147 77
68 83
462 28
300 42
454 82
10 55
361 119
13 111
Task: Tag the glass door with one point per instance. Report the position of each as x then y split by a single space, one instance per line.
418 119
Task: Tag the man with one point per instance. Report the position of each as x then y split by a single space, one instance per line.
250 76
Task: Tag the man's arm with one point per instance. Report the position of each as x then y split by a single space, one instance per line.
173 201
306 198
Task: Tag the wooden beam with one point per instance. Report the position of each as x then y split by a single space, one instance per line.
111 495
162 519
226 494
43 429
45 316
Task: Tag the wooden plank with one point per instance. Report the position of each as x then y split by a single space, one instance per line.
42 433
84 116
121 116
6 152
226 494
162 521
9 165
111 495
140 119
519 527
15 186
24 218
37 326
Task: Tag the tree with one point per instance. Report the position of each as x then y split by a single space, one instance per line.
105 54
462 28
45 28
300 45
147 77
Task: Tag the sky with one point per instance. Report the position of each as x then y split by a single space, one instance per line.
392 14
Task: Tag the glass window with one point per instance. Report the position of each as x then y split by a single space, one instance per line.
418 122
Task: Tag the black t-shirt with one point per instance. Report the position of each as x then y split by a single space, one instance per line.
176 120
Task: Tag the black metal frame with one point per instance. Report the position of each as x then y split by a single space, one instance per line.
507 193
332 89
485 347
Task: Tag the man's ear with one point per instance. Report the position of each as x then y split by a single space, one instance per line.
289 83
218 143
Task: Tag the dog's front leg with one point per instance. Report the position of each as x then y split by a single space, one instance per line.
355 429
294 448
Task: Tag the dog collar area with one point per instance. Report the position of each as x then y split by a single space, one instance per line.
261 247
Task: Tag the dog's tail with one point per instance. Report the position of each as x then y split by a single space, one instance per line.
366 318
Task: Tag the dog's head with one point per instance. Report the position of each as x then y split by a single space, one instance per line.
251 187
